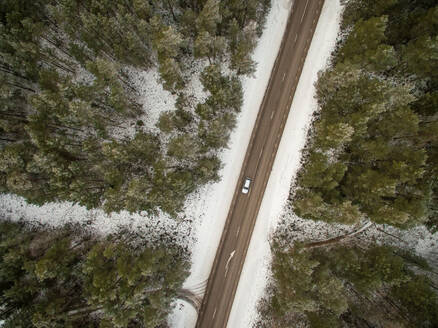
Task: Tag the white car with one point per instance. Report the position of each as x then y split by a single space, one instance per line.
246 184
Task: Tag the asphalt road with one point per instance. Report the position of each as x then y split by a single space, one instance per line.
266 135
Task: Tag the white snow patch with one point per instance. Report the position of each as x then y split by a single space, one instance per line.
152 228
183 306
209 207
83 76
194 88
418 240
287 162
154 99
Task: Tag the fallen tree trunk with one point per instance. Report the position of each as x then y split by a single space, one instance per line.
339 238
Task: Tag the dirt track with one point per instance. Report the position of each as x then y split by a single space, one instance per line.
266 135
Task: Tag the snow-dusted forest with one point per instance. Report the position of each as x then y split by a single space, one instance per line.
123 129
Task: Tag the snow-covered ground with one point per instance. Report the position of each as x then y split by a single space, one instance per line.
151 228
417 239
255 270
156 100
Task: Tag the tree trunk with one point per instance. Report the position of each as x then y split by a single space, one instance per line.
171 10
339 238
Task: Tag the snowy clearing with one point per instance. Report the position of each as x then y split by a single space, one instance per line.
154 100
15 208
255 270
